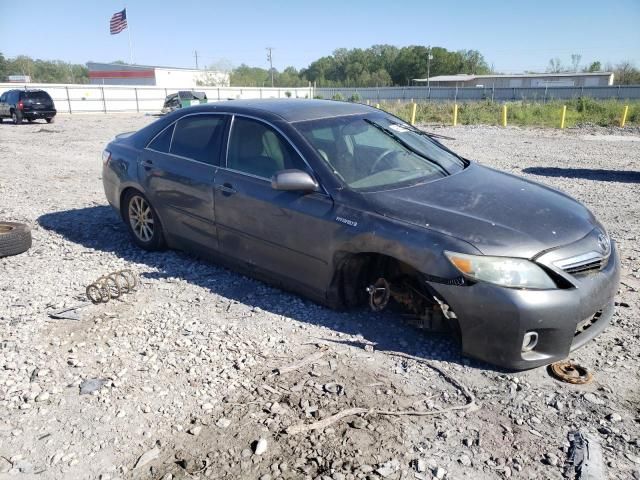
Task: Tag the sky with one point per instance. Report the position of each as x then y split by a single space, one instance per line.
513 36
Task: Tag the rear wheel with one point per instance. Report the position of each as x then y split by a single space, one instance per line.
142 221
16 117
49 119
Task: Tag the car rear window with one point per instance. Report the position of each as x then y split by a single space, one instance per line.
162 142
37 96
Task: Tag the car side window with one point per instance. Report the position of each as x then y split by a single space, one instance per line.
162 142
199 137
257 149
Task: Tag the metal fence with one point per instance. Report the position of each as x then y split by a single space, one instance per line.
74 98
462 94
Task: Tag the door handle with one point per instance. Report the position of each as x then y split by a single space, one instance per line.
226 188
147 164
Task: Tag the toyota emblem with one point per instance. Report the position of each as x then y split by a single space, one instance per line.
603 242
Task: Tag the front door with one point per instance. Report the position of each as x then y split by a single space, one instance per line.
177 170
287 233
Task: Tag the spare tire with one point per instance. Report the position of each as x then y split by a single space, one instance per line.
15 238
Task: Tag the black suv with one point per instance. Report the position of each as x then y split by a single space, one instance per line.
26 104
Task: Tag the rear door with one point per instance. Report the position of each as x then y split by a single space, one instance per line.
287 233
177 169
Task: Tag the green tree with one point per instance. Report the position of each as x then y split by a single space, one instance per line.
594 67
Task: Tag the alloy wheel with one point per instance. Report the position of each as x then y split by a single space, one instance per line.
141 218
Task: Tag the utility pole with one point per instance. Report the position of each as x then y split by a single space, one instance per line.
195 54
429 57
270 58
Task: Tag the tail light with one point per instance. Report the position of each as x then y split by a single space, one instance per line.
20 105
106 156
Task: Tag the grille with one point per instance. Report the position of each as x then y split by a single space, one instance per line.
586 267
589 262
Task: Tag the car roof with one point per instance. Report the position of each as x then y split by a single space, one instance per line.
291 110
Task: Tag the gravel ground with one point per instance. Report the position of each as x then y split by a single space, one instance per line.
176 380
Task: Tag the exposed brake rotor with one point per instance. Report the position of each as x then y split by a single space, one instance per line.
379 294
570 373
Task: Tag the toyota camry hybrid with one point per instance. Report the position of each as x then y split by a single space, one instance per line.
346 204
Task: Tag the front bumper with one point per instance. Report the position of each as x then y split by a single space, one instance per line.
493 320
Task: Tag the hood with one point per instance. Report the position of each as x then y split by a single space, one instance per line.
498 213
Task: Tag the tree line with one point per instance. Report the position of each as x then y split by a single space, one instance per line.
379 65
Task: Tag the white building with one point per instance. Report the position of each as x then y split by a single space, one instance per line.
520 80
168 77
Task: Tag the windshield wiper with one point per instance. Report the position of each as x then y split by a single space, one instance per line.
413 129
405 144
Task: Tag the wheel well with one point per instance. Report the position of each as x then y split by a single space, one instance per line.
357 271
124 194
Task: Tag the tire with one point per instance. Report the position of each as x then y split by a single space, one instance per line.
16 117
145 229
50 120
15 238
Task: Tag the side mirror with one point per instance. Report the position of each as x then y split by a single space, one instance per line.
294 181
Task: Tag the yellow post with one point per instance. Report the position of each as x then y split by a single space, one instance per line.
455 114
564 116
377 105
623 120
413 113
504 115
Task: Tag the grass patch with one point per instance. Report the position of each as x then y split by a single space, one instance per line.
604 113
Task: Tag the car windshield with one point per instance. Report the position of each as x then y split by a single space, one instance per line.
378 151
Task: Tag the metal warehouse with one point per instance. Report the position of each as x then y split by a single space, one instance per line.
521 80
123 74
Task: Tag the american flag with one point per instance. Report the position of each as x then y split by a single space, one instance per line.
118 22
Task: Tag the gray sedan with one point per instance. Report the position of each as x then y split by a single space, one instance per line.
348 205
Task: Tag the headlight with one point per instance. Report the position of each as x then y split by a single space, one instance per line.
505 271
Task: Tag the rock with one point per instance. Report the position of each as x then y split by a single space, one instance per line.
195 431
465 460
359 423
260 446
92 385
207 407
439 473
388 468
223 422
420 465
614 418
593 398
333 388
550 459
147 457
43 397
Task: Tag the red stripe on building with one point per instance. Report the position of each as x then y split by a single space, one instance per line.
122 74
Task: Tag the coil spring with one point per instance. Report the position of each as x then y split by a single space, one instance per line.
112 285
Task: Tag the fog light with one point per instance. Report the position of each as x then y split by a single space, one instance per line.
529 341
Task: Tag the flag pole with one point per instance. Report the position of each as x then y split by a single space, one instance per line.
129 33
